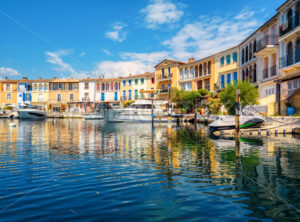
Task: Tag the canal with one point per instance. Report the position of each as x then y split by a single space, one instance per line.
59 170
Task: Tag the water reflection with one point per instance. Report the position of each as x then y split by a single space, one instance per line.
144 173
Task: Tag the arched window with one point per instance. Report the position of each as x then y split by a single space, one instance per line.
45 87
250 51
40 87
107 86
116 86
289 18
196 71
192 72
112 86
200 70
181 74
298 50
205 69
186 73
35 87
209 67
297 16
290 54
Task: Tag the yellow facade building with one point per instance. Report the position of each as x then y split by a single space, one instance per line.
8 93
227 67
166 77
62 94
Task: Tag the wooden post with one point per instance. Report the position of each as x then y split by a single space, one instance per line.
237 125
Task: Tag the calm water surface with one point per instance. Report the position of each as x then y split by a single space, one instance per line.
58 170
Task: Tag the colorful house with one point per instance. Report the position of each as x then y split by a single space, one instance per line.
134 86
40 92
227 67
289 44
108 91
64 95
166 77
8 93
24 92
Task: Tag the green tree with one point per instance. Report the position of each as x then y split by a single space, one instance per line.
248 92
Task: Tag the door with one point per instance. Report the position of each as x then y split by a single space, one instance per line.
129 94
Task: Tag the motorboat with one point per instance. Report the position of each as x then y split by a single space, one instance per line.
140 111
92 116
31 112
247 120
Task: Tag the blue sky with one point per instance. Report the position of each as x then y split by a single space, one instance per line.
63 38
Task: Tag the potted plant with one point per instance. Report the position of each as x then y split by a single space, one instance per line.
290 110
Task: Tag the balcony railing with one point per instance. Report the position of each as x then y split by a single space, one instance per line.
266 41
163 91
273 70
266 73
166 76
292 58
292 23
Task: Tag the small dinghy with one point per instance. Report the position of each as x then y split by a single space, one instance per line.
247 120
92 116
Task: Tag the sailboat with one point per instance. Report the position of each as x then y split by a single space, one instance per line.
94 115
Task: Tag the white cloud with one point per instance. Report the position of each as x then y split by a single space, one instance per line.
211 34
5 71
107 52
82 54
136 63
117 34
61 66
160 12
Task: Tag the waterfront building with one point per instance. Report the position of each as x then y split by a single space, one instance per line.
108 91
134 86
24 92
166 77
227 67
87 90
64 95
289 43
267 60
8 93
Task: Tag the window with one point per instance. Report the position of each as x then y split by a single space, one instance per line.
235 78
136 95
222 81
228 77
247 54
40 87
200 70
103 87
152 80
243 58
98 86
189 86
40 98
71 97
29 87
129 82
70 86
205 69
162 86
209 67
234 57
8 96
186 73
58 97
35 87
45 87
86 96
27 97
181 74
60 86
228 59
102 96
129 94
86 85
162 73
54 86
222 61
169 70
142 81
124 82
136 81
116 96
142 94
124 94
191 72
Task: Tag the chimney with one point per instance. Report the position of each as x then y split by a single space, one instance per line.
40 78
191 60
6 78
24 78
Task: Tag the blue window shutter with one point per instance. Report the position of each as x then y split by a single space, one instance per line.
228 78
222 81
23 97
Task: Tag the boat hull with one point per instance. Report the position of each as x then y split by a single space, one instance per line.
92 116
32 114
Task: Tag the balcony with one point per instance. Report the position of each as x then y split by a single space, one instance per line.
163 91
165 77
290 61
267 45
290 26
269 72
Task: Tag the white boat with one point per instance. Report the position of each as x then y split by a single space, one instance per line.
32 112
247 120
92 116
140 111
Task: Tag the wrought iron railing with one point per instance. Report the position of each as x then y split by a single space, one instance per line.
292 57
267 40
292 23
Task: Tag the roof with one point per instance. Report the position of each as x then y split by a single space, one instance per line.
109 80
33 81
65 80
178 62
285 4
138 75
